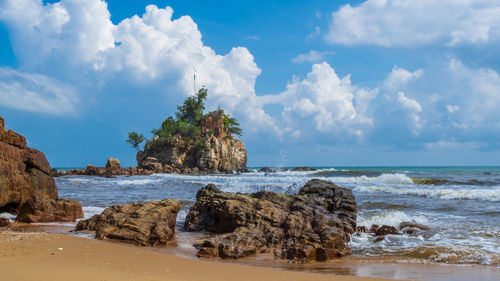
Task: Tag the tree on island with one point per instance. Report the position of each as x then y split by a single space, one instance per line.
187 123
135 140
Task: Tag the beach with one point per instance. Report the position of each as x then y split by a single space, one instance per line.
42 256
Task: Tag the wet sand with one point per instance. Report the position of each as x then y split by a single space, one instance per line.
31 256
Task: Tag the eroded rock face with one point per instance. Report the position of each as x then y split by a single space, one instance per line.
24 172
145 224
108 172
39 209
113 163
315 224
214 151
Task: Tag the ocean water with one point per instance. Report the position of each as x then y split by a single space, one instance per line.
461 205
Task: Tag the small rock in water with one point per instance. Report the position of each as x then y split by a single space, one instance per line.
413 225
386 229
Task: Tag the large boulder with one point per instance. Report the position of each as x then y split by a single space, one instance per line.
39 209
24 172
315 224
5 223
113 163
145 224
215 150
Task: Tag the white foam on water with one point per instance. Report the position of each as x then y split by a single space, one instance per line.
393 218
382 179
441 193
89 211
139 181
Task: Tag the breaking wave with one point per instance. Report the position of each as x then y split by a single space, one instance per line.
441 193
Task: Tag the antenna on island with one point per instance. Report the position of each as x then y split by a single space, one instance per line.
194 80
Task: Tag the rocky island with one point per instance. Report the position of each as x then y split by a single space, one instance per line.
193 142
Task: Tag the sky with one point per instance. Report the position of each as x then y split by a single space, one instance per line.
317 83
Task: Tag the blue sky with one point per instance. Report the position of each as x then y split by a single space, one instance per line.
321 83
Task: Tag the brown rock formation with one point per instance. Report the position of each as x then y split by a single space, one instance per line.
24 172
213 151
39 209
109 171
315 224
145 224
113 163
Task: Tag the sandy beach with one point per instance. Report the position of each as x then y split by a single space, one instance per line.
42 256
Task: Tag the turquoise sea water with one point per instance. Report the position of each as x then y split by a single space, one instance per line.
461 205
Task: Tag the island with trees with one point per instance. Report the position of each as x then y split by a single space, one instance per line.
193 141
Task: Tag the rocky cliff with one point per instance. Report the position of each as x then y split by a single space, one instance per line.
215 150
24 172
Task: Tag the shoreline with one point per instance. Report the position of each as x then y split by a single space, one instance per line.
42 256
357 267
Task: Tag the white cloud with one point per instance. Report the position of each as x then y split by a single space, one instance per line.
75 41
413 108
400 77
332 103
312 56
36 93
415 23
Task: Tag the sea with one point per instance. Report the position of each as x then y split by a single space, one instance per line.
460 205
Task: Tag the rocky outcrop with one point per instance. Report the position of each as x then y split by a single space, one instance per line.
24 172
215 150
113 163
109 171
145 224
303 169
38 209
315 224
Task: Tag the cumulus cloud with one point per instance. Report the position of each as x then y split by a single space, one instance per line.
76 41
36 93
415 23
311 56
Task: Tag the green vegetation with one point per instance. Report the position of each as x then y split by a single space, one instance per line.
135 140
187 124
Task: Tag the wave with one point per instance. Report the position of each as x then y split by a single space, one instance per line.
382 179
141 181
89 211
394 218
470 194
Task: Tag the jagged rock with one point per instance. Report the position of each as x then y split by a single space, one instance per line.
303 169
386 229
146 224
269 170
39 209
107 172
5 222
213 151
315 224
412 224
24 172
113 163
152 164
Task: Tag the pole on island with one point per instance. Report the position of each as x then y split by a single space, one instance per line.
194 80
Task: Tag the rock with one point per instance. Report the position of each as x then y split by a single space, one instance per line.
215 150
5 222
24 172
386 229
413 224
362 229
410 230
152 164
39 209
113 163
315 224
145 224
379 239
268 170
303 169
373 228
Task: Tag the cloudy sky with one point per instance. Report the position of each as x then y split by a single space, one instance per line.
320 83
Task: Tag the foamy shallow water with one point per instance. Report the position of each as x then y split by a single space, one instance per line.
464 218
